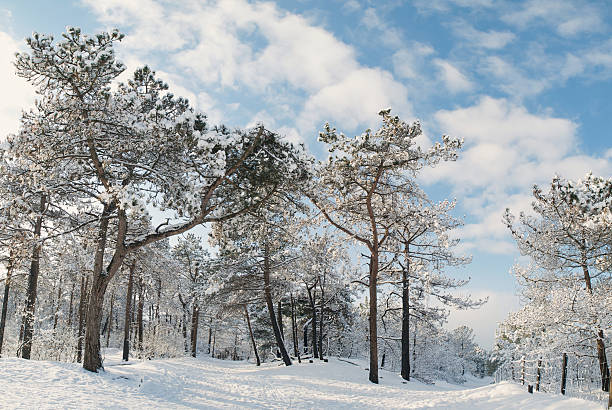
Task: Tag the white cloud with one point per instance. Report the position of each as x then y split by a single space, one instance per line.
408 62
351 6
355 101
370 19
17 94
507 151
453 79
490 39
511 80
261 50
446 5
568 18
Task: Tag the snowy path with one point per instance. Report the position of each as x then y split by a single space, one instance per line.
208 383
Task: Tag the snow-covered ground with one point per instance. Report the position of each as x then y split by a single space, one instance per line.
210 383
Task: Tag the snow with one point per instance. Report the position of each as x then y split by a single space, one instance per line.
211 383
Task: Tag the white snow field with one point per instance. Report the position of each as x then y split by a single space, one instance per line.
210 383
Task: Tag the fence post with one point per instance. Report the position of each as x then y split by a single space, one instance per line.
539 374
564 373
523 370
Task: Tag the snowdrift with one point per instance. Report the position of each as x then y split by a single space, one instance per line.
209 383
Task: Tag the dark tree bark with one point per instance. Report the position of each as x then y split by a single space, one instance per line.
306 337
294 331
604 369
71 307
183 324
82 307
59 304
406 320
280 318
209 335
312 299
321 317
28 315
128 310
414 341
563 373
268 296
195 316
110 320
248 319
7 286
373 375
139 317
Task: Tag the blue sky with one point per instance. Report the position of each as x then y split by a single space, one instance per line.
526 84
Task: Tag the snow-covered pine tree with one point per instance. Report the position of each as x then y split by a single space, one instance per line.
121 151
355 186
567 235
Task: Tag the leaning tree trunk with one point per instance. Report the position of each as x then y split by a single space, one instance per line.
268 296
92 359
406 320
128 310
7 285
248 319
28 315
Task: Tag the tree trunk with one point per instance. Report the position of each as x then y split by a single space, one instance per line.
92 359
280 318
603 362
82 307
195 316
139 317
183 324
312 299
604 369
128 310
306 337
59 304
28 316
414 341
373 376
406 321
209 334
563 373
7 285
294 331
248 319
321 325
110 320
71 307
268 296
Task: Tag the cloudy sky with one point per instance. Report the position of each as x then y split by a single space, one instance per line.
526 84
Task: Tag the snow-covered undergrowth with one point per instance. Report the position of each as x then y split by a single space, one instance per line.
211 383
